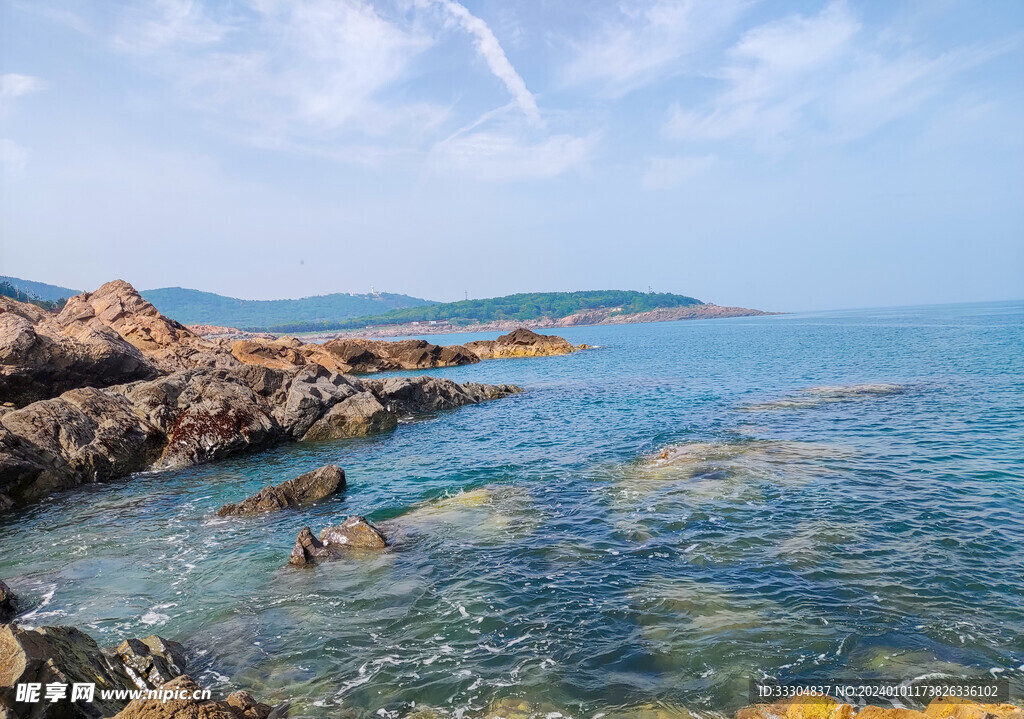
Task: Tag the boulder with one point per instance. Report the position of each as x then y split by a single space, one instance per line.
182 705
167 344
150 662
94 433
353 533
66 655
410 395
360 415
313 390
304 489
521 343
40 359
8 603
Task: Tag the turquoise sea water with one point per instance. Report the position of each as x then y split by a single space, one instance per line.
542 550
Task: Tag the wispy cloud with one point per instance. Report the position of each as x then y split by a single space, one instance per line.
13 157
649 41
494 55
804 78
14 85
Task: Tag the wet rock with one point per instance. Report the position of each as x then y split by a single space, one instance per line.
95 434
150 662
239 705
199 415
429 394
957 708
304 489
521 343
353 533
206 414
67 655
360 415
8 603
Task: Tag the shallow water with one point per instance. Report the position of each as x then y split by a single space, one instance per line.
783 532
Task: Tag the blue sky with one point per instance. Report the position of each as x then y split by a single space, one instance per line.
781 155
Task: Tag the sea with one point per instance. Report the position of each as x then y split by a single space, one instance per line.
653 523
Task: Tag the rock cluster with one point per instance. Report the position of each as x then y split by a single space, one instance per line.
67 655
198 415
822 707
304 489
237 705
353 533
350 355
521 343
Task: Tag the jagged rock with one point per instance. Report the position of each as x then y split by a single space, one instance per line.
40 359
357 416
8 603
429 394
166 343
206 414
521 343
312 392
198 415
150 662
238 705
67 655
95 433
304 489
353 533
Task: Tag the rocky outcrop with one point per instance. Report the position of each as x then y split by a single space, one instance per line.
166 343
199 415
8 603
353 533
350 355
66 655
521 343
304 489
40 357
184 705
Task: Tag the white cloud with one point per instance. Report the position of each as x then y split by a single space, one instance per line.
165 24
490 49
666 172
503 156
815 78
14 85
649 41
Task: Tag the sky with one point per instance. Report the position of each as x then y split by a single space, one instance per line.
784 155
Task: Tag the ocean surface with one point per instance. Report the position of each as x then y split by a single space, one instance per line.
655 521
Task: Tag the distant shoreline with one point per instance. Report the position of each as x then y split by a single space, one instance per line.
604 316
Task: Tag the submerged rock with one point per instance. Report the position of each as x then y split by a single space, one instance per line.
304 489
521 343
353 533
67 655
8 603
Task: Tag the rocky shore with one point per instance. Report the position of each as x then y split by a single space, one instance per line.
108 387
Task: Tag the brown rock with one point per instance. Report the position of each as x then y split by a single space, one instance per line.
521 343
876 712
357 416
166 343
957 708
66 655
428 394
40 359
8 603
805 706
304 489
353 533
239 705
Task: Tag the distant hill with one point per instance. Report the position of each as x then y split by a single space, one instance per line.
40 290
192 307
520 307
